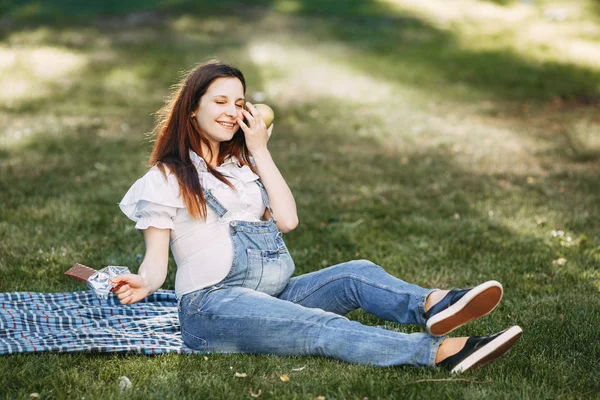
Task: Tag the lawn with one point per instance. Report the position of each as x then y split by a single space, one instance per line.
449 142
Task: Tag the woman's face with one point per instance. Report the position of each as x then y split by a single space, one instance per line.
218 109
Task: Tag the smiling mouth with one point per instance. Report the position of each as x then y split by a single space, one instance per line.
227 125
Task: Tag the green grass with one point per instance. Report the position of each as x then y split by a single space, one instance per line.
447 144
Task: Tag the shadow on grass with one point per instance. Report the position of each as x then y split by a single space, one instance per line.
405 49
425 207
402 45
385 43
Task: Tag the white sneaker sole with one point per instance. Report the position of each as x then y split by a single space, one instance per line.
490 351
479 301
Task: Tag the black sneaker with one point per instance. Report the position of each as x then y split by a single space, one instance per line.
460 306
480 350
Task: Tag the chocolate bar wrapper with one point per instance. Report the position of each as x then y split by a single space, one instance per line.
99 282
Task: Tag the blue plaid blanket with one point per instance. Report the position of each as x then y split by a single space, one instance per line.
79 321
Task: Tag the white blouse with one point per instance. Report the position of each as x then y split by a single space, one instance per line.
203 250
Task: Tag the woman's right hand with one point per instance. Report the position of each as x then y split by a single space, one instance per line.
133 288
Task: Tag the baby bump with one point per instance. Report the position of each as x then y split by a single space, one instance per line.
275 268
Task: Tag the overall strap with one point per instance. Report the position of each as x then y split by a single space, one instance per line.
221 211
265 198
214 204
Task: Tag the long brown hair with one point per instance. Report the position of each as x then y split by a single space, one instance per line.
176 134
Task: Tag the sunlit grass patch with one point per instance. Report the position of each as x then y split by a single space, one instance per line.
394 111
541 30
33 73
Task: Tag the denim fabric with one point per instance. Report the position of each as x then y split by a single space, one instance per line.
257 308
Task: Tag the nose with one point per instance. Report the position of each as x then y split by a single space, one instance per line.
231 111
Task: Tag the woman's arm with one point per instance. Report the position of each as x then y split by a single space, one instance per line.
280 196
152 272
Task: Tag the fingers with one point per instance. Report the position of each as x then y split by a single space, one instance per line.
117 286
256 115
242 124
125 293
270 130
120 285
117 283
126 296
121 288
250 118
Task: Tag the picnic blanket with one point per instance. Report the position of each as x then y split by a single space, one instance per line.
80 322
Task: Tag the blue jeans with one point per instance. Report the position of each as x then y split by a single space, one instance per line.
307 318
257 308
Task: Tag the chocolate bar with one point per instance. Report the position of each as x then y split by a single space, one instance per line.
81 272
98 281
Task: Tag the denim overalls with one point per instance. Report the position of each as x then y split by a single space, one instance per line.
257 308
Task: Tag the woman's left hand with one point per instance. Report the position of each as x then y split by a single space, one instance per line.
256 132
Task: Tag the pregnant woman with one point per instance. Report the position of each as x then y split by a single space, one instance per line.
214 195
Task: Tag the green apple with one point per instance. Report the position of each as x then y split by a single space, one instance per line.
266 112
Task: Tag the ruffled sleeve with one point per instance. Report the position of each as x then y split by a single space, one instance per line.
153 200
